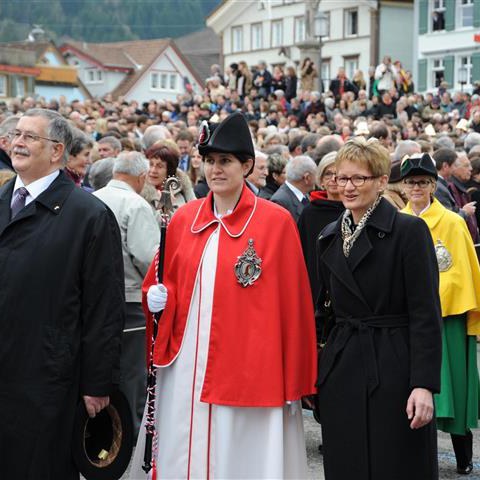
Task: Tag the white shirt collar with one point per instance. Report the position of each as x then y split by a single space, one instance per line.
35 188
298 193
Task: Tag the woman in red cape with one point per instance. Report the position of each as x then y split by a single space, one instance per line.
236 346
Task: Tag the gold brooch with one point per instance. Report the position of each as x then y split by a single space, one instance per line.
247 269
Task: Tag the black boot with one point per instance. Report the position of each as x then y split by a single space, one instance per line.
463 448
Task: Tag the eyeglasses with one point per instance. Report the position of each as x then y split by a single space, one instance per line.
28 137
328 175
420 183
357 180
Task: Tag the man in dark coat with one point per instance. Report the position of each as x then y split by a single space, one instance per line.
292 195
62 303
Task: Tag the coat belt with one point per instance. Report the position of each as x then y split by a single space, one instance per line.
364 327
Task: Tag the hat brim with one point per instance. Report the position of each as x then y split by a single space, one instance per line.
416 171
102 446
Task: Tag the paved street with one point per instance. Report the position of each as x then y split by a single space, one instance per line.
445 453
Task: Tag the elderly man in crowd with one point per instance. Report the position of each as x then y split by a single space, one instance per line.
6 126
461 171
109 147
300 181
62 303
140 238
258 178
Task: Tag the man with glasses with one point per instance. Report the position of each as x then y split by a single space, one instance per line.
62 302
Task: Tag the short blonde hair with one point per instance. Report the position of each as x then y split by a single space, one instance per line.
368 153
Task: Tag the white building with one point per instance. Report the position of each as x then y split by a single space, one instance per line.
271 30
139 70
445 45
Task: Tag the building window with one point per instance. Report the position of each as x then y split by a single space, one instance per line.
327 17
3 86
351 66
465 13
438 72
154 81
173 81
20 84
351 22
325 71
94 75
438 15
164 81
466 63
277 33
257 36
237 39
300 34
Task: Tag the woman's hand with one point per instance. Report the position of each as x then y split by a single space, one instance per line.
157 297
420 407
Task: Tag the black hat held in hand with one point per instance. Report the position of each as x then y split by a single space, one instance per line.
102 446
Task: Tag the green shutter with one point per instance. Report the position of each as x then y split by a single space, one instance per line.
449 70
475 67
422 75
423 17
450 15
476 13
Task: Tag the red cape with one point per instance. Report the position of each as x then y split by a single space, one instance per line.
262 340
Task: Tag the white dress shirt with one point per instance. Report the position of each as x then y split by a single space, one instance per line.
35 188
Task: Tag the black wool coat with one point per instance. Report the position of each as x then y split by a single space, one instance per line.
313 219
386 341
62 314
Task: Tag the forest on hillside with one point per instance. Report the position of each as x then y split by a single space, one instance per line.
103 20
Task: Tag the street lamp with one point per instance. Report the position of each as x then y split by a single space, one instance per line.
462 77
320 28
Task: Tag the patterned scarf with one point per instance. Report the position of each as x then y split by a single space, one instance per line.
350 233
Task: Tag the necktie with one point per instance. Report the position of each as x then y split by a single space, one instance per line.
305 201
19 202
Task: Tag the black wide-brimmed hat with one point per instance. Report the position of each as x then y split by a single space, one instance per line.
232 135
418 164
102 446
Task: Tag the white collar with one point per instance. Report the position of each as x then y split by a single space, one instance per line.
298 193
35 188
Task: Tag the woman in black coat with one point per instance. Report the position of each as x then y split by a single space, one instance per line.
324 207
381 363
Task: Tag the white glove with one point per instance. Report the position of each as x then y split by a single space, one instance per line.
157 297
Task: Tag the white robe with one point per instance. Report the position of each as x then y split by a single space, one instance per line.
196 440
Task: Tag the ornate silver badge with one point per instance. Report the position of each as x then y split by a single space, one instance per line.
247 269
444 258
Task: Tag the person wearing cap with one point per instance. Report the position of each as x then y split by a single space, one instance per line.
325 207
457 404
381 362
236 354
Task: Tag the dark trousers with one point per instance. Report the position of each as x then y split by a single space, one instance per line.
462 446
132 364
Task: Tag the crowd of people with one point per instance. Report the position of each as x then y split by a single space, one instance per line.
333 166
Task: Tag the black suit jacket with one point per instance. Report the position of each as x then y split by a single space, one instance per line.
287 199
